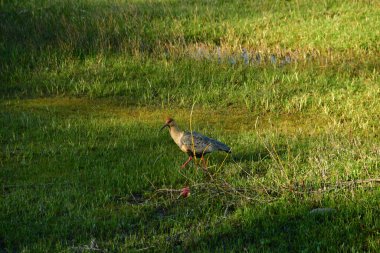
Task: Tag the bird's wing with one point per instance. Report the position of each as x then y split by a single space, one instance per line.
201 143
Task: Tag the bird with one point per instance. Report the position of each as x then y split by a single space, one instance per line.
193 143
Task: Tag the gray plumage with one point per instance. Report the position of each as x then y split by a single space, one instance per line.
202 144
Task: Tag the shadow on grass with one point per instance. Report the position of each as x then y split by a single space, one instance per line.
284 232
88 27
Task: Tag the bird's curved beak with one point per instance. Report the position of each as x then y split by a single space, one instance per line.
166 125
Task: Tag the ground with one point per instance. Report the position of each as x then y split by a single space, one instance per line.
292 87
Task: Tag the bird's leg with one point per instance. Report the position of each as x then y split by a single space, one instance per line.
188 160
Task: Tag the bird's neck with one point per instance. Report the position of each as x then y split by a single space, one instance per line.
176 134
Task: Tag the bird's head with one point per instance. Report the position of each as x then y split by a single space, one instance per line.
168 123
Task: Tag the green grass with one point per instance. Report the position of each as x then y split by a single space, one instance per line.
86 85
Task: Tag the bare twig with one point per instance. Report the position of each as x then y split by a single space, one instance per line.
330 187
146 248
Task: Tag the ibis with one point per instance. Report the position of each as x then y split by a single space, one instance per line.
192 143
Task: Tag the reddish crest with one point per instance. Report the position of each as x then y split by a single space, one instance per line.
169 120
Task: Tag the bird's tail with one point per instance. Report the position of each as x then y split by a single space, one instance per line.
223 147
